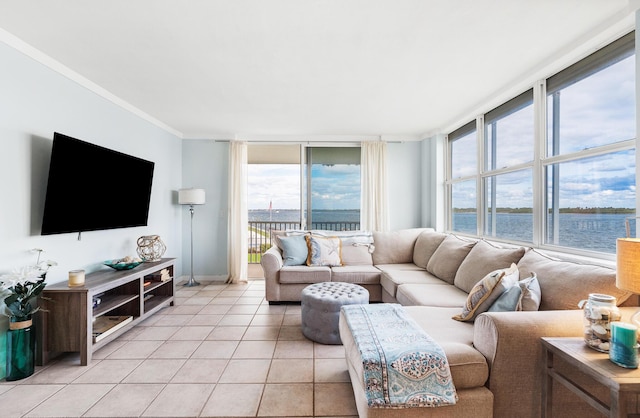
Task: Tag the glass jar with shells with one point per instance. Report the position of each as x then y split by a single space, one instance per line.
599 311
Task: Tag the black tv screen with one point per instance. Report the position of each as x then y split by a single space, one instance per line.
93 188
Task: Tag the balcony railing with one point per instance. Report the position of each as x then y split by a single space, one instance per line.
260 236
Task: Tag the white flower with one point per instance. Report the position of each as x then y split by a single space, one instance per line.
44 265
20 276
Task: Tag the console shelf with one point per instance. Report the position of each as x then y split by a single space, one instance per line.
68 313
110 303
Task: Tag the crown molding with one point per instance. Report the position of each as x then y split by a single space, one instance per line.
44 59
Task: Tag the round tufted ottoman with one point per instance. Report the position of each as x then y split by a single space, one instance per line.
321 304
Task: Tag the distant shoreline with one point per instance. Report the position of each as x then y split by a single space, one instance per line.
298 210
601 211
612 210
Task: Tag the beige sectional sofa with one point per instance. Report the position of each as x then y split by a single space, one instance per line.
494 356
284 283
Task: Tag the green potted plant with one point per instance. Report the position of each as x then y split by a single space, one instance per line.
18 291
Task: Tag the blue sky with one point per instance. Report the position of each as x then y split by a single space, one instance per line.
596 111
279 183
333 186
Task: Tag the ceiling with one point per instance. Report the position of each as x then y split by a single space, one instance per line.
269 69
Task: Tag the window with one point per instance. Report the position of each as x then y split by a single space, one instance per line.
508 170
273 194
592 103
509 200
586 185
590 164
333 182
509 133
588 205
297 187
273 187
463 169
465 212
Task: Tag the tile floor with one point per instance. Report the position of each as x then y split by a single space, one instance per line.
222 350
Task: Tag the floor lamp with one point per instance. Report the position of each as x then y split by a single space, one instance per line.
191 197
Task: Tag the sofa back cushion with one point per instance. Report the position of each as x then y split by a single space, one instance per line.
564 283
483 259
356 255
446 259
396 246
426 244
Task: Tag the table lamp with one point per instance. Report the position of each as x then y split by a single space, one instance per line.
628 268
191 197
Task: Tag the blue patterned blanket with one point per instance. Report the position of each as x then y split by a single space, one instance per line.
403 366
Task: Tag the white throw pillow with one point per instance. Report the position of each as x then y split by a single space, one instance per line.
324 251
525 295
486 291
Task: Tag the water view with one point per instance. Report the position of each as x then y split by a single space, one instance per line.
317 216
589 231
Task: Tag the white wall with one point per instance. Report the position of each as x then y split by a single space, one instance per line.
433 182
35 101
405 167
206 166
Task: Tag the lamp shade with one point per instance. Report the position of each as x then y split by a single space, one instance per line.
191 196
628 264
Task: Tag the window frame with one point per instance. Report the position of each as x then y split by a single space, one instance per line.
608 55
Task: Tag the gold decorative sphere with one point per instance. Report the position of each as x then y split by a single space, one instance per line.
150 248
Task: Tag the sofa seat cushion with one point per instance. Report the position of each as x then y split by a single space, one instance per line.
431 295
469 367
391 279
356 274
399 266
305 274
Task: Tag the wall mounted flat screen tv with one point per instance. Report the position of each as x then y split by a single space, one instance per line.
94 188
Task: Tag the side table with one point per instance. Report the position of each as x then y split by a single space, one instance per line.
622 383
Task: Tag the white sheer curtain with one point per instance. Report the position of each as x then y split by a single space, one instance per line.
374 210
238 216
